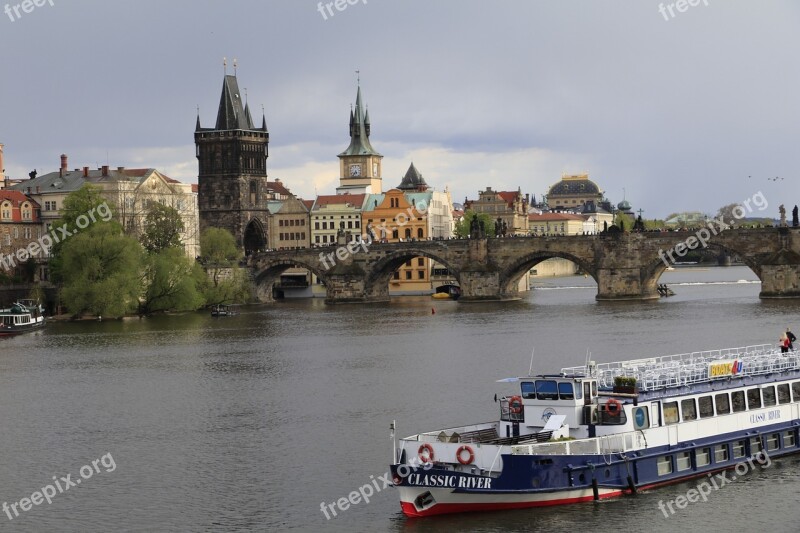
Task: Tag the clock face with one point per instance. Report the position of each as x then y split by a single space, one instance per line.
355 170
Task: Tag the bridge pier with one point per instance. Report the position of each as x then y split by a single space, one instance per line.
780 281
625 284
484 286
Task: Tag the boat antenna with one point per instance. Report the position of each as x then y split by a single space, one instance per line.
586 365
530 368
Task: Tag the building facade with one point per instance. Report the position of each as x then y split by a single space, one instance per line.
508 209
360 164
573 191
20 231
332 214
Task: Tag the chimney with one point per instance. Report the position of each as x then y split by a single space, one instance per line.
85 172
120 169
104 169
63 162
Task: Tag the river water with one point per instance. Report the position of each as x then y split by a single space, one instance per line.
252 422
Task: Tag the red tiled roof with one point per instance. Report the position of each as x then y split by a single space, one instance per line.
509 196
278 187
308 203
352 199
16 197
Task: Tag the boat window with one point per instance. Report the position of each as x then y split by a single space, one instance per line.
665 462
769 396
706 406
546 389
565 391
720 453
578 393
671 413
607 419
796 391
783 393
723 404
772 442
753 398
737 399
594 390
788 439
688 409
703 456
528 390
683 461
738 449
755 445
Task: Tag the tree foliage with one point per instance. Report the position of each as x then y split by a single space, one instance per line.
101 271
463 226
224 283
163 227
171 282
227 286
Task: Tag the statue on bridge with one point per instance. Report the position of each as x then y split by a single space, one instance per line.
795 221
782 211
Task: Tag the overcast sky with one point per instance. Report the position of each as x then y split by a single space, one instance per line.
688 113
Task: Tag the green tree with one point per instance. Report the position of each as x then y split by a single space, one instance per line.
464 226
101 271
225 283
162 228
234 287
171 282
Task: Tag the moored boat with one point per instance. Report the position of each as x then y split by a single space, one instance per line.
603 430
223 310
19 319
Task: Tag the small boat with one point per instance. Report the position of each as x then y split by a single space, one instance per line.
19 319
447 292
605 430
223 310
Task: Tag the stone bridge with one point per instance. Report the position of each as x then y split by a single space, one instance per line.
626 266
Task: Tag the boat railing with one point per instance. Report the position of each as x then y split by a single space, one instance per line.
686 369
605 445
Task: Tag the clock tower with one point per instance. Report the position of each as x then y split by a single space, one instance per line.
359 165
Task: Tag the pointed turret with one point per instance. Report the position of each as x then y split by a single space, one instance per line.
413 180
263 121
359 131
197 125
231 115
366 121
248 117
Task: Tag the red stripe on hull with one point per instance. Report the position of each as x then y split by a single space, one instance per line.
446 508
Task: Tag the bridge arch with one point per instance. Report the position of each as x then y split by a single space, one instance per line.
255 237
511 274
376 283
267 273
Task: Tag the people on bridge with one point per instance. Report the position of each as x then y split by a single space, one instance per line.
790 336
783 342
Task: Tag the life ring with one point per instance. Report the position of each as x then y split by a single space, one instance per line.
613 407
426 458
469 459
515 405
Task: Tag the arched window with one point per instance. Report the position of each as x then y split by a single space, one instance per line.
395 234
420 233
408 233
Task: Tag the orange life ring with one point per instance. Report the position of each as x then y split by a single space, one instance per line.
426 458
613 407
515 405
468 460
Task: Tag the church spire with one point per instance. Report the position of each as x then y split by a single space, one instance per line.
359 130
231 115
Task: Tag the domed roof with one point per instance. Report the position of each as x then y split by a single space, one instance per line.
624 205
574 185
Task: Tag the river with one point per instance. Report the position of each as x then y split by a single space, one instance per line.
252 422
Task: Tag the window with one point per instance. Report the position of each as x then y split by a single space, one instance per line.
665 463
703 456
395 234
796 391
720 453
408 233
769 396
546 389
420 233
421 261
565 391
396 274
706 405
772 441
316 238
683 461
316 225
738 449
408 274
783 393
408 263
671 413
737 399
688 409
528 389
420 274
723 404
788 439
754 398
755 445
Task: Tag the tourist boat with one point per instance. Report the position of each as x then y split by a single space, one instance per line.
19 319
604 430
223 310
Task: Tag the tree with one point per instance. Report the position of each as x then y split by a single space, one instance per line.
623 221
171 282
727 213
463 225
162 228
232 288
101 271
218 253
